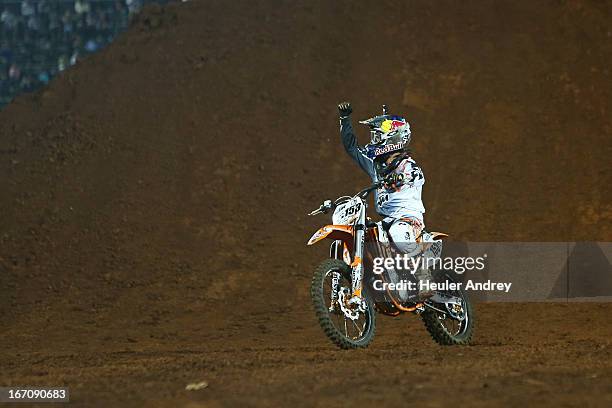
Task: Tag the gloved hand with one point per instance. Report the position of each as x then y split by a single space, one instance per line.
345 109
394 180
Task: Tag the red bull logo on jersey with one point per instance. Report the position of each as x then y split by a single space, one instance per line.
389 148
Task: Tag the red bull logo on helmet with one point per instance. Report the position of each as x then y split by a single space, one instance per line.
390 125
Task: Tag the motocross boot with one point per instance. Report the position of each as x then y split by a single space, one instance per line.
423 276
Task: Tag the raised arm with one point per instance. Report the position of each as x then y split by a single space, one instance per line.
350 142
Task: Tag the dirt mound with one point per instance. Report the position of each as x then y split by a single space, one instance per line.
151 186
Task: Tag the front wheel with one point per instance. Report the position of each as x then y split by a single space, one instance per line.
334 275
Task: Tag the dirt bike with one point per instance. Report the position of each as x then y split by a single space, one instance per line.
346 307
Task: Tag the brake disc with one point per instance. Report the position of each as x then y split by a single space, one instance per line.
350 313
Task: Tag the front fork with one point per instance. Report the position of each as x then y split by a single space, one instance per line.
334 289
357 264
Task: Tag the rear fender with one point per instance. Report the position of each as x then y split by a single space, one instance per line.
431 235
438 235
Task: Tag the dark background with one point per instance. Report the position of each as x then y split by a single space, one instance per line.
40 38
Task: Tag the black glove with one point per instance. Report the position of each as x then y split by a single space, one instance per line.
345 109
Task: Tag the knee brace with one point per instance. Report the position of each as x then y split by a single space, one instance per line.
404 234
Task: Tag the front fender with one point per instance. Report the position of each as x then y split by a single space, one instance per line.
344 233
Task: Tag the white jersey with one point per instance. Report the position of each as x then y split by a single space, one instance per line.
402 202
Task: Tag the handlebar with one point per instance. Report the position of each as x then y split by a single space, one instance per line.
324 208
366 191
328 204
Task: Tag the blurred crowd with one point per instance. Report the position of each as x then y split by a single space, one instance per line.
39 38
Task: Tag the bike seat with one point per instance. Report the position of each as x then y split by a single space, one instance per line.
387 224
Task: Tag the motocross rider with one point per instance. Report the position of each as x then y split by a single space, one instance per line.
387 158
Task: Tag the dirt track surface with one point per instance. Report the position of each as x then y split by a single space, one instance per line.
153 200
554 355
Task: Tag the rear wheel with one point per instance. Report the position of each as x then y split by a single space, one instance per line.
343 331
450 323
